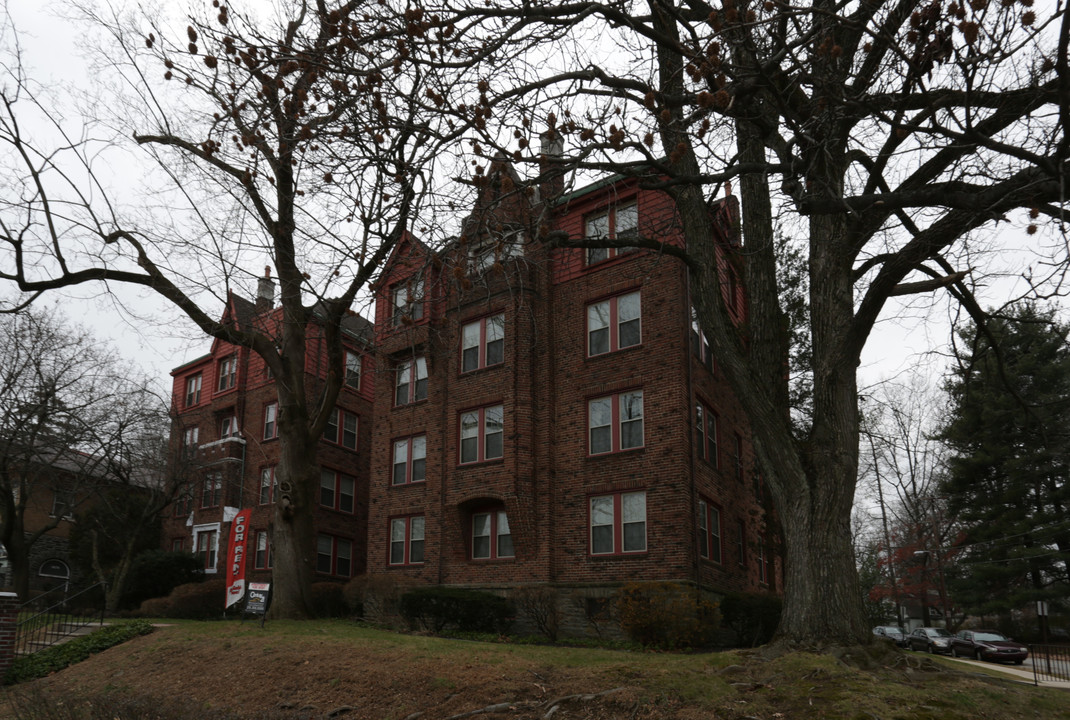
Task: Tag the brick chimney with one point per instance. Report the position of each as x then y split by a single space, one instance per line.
265 291
551 171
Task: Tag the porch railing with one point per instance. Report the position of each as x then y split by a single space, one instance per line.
49 618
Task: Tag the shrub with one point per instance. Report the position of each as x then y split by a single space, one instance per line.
436 608
539 604
156 573
57 657
192 601
375 597
753 617
328 600
668 615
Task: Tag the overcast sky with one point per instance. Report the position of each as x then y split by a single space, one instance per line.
157 338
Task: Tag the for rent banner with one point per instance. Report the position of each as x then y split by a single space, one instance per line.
236 558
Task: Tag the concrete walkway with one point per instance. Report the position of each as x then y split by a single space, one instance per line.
1022 673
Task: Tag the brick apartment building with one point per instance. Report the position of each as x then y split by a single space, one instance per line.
540 417
553 416
226 419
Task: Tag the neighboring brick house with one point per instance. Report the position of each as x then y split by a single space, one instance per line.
553 416
226 418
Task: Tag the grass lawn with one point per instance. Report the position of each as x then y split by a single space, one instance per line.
341 669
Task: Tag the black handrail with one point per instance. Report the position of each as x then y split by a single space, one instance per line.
1050 662
52 624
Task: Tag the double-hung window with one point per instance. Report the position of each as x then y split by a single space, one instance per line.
334 556
491 537
614 324
709 531
269 486
212 490
261 551
482 434
190 438
407 301
407 540
271 421
184 501
228 373
495 247
617 223
193 390
411 381
337 490
341 429
483 343
737 460
699 344
618 523
352 370
228 427
615 422
706 433
410 460
206 547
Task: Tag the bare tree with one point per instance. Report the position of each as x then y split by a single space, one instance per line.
307 138
886 136
66 410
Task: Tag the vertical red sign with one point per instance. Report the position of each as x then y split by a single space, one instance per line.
236 558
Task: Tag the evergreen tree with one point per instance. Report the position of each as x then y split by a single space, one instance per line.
1009 435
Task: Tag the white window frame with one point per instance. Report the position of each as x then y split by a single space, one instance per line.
228 373
271 421
211 553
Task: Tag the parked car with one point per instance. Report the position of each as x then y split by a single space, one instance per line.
988 645
892 632
930 639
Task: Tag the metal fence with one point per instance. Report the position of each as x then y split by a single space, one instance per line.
1050 663
66 615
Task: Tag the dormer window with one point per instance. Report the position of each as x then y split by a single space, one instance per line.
193 390
407 301
353 367
495 247
228 373
616 223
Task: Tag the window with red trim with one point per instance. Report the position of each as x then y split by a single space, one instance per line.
483 343
262 551
334 555
614 324
616 223
491 537
337 490
407 301
407 540
410 460
269 485
212 490
410 383
706 434
227 373
341 429
482 434
193 389
709 530
615 422
618 523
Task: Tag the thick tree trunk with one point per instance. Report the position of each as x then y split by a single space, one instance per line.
293 542
822 601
